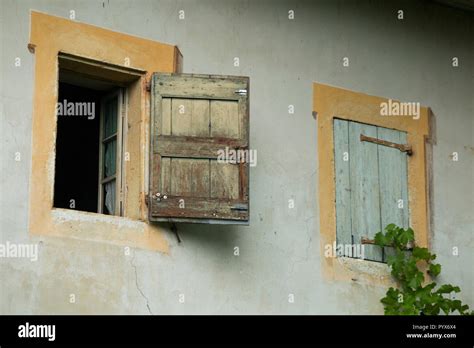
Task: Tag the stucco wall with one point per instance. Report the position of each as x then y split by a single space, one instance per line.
279 252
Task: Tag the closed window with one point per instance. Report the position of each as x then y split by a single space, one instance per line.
371 184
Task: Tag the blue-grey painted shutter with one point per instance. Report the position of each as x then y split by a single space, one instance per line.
371 184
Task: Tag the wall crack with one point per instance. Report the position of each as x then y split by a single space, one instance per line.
138 287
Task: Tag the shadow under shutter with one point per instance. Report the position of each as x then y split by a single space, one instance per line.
196 118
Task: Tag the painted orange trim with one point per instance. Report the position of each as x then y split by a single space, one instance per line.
330 102
50 35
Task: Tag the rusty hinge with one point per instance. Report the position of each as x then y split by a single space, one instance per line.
148 85
402 147
366 241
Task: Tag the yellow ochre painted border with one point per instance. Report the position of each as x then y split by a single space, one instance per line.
50 35
331 102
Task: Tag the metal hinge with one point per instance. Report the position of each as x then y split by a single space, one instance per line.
241 92
402 147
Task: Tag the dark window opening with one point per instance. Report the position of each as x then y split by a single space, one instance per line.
79 144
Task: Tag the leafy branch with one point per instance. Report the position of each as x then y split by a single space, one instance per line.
407 262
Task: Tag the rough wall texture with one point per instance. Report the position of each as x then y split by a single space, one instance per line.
279 252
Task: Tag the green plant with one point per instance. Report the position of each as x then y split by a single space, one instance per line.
407 264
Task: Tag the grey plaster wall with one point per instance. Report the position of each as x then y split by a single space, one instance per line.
279 252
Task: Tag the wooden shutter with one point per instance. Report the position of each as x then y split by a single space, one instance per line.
371 179
193 117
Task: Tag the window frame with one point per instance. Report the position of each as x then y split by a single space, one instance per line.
331 102
118 54
120 93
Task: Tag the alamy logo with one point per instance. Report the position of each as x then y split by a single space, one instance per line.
395 108
37 331
349 250
76 109
234 156
17 250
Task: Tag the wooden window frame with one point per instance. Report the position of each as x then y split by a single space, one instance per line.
331 102
120 93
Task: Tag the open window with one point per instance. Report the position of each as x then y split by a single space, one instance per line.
90 110
95 62
194 118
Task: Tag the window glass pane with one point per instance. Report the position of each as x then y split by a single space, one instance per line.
110 124
109 198
110 149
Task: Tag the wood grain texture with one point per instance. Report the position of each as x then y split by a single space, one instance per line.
224 180
190 177
225 120
393 181
343 187
199 86
166 116
196 116
201 208
190 117
364 181
165 175
195 147
369 185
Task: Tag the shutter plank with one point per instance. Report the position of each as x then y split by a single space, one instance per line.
201 208
166 116
194 147
199 87
165 175
189 177
343 188
364 182
393 181
190 117
224 180
225 121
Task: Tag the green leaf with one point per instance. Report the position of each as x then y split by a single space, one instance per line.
447 288
435 269
404 268
421 253
380 239
405 236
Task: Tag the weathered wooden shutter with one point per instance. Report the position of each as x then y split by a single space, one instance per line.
371 183
193 118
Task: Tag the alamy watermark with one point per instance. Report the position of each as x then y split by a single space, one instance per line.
28 330
348 250
234 156
66 108
396 108
18 250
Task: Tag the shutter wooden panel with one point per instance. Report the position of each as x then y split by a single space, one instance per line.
193 117
369 185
